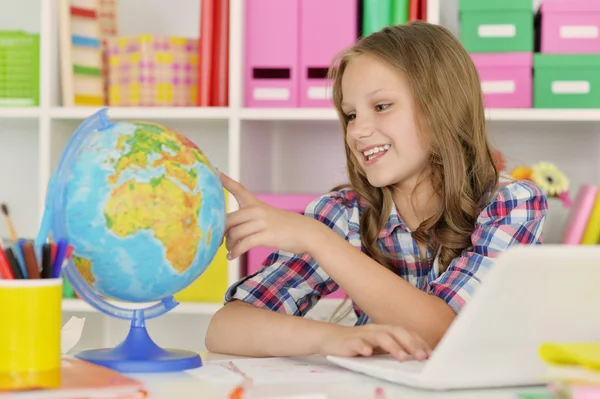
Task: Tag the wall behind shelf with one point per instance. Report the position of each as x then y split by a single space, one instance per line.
19 178
20 15
292 157
180 18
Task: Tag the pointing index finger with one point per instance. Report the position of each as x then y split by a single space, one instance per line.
240 193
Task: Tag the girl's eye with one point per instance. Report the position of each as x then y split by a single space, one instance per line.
382 107
350 117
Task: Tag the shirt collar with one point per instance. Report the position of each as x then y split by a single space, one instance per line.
394 221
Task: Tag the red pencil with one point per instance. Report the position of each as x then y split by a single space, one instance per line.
5 269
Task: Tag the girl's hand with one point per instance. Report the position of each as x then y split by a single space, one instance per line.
258 224
375 338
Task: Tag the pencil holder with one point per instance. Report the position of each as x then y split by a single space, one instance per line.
30 323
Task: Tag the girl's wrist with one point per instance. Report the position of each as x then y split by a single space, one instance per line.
316 237
327 335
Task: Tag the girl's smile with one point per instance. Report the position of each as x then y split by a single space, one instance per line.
374 152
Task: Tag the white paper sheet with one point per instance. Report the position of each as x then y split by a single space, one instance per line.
70 334
311 370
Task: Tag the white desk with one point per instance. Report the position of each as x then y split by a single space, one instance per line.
186 385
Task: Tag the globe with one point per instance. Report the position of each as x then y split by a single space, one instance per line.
144 211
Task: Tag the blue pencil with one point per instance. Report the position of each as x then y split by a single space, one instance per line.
18 250
61 252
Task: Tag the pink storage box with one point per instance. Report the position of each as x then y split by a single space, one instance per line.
570 26
149 70
320 41
506 79
295 203
271 53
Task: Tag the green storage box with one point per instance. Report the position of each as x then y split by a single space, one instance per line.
566 81
19 68
496 26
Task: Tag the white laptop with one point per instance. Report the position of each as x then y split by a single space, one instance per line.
532 295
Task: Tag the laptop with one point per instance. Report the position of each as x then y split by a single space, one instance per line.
532 295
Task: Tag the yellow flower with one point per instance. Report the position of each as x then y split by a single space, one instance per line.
551 180
521 173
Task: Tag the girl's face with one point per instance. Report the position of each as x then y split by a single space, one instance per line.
382 132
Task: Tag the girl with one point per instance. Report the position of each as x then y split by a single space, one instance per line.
412 236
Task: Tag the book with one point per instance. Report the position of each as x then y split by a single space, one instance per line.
580 214
81 380
570 391
220 55
81 61
591 234
376 15
413 10
205 52
399 11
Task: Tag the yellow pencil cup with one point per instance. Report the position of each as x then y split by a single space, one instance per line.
30 323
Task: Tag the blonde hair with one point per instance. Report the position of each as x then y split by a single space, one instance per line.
450 114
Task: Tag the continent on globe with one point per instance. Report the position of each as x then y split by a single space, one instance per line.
178 229
162 207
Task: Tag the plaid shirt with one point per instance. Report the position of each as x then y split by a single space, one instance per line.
293 283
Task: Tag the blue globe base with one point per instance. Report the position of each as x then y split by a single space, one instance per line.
139 354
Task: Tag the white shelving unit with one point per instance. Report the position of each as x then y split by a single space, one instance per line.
269 150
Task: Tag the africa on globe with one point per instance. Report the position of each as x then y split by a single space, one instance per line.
144 211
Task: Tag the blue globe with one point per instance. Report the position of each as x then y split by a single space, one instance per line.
143 209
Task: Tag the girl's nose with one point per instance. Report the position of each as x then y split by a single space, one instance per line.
363 127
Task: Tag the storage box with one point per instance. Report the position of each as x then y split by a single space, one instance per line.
150 70
294 203
570 27
19 68
496 26
566 81
316 27
271 53
506 79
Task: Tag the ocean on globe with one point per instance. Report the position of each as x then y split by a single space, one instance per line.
144 211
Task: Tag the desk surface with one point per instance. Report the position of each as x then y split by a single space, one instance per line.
206 384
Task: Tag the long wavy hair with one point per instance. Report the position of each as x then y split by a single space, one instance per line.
449 114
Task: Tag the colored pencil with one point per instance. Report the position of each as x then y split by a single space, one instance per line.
14 264
30 260
11 227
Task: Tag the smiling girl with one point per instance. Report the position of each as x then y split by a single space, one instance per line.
414 233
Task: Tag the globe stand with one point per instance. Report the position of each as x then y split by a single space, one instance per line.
138 353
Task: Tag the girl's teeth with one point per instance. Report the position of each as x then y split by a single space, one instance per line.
376 150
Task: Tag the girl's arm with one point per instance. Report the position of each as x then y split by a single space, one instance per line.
385 297
242 329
